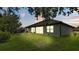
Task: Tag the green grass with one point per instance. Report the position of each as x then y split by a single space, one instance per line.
37 42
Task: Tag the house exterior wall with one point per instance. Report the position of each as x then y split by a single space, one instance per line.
58 30
61 29
65 30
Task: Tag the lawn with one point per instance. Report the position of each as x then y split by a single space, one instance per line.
38 42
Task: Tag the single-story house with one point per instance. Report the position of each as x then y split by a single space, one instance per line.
54 27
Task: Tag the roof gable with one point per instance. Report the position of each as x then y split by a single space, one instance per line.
48 22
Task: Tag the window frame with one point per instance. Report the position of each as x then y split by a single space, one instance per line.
50 29
33 29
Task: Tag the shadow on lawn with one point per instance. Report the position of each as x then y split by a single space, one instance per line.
30 42
18 43
65 43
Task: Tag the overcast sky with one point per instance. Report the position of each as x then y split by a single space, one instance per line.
28 19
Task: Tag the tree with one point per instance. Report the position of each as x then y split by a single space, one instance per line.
51 12
11 10
9 22
46 12
9 19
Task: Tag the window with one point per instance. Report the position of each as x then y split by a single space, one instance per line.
32 29
39 30
50 29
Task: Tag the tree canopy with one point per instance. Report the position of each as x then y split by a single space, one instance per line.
9 23
11 10
51 12
46 12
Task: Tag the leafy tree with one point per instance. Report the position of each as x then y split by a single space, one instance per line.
46 12
51 12
9 22
11 10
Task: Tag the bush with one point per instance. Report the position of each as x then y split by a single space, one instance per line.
4 36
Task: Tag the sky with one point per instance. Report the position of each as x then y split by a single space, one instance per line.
27 19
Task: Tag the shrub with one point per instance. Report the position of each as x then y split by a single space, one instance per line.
4 36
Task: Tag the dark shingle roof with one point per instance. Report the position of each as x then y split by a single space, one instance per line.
47 23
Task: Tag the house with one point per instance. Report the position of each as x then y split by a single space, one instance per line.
53 27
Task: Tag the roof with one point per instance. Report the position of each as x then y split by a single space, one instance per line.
48 22
71 20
